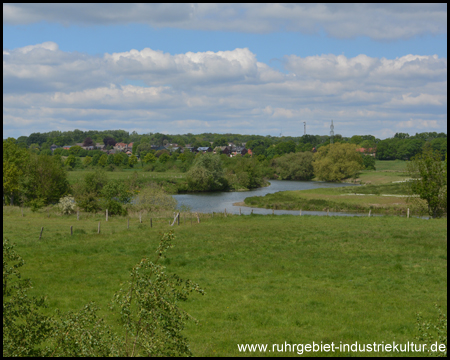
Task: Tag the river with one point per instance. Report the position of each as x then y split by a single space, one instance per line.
219 201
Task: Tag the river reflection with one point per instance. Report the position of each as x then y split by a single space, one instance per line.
219 201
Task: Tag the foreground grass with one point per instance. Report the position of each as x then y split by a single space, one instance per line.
268 279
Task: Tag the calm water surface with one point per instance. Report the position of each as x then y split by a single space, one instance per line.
219 201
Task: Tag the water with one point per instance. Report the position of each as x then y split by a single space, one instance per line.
219 201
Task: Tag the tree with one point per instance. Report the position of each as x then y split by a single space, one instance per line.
295 166
14 160
150 316
132 160
206 174
108 140
335 162
88 142
75 150
70 161
102 160
87 161
429 176
164 158
87 193
44 179
368 162
149 158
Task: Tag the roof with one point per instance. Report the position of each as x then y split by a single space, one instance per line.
203 148
366 149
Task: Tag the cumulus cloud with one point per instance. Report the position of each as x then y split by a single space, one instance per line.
377 21
221 90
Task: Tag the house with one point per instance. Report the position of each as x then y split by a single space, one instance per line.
67 147
250 152
99 146
190 149
120 146
204 149
53 147
239 150
130 145
367 151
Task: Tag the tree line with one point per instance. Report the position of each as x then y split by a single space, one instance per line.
401 146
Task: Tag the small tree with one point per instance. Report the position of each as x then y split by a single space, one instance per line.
102 160
149 158
132 160
70 161
149 310
429 174
87 161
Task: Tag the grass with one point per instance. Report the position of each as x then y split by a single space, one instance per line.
268 279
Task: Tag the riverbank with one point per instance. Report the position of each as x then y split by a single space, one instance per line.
384 192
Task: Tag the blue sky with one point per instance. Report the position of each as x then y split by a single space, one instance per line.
253 69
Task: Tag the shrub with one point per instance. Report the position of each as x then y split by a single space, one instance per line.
67 204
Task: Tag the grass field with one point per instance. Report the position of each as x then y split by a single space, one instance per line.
268 279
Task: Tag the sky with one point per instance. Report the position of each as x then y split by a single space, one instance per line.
260 69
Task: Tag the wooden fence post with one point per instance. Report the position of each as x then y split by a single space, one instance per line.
140 217
40 235
328 212
251 212
78 214
98 232
239 211
106 214
370 212
198 219
225 212
71 232
178 219
407 216
151 225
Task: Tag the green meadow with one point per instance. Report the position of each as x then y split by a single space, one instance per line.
268 279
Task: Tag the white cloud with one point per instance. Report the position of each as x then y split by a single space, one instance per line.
217 89
378 21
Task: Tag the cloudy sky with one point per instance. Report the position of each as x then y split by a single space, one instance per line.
227 68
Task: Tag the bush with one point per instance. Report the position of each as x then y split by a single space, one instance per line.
67 204
153 198
36 204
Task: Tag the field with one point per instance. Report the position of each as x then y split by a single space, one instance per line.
268 279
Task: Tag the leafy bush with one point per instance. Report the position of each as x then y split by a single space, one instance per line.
67 204
36 204
153 198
